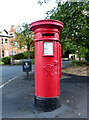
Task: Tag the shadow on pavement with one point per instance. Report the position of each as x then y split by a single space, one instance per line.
71 78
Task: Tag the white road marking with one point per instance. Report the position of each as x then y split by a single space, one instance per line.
8 81
1 86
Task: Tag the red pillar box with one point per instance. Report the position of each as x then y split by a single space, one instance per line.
47 63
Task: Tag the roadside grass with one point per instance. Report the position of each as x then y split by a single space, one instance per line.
33 61
1 63
78 63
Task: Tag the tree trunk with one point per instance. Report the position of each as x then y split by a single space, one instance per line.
79 54
12 60
29 52
78 51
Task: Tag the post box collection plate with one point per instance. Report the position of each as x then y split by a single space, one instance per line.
47 63
48 48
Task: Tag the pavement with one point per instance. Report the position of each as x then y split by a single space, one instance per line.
18 98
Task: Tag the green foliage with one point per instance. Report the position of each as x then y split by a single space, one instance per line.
5 60
26 54
18 56
1 63
33 61
68 46
25 37
75 24
31 54
78 63
87 56
83 51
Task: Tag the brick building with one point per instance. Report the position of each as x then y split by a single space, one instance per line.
8 45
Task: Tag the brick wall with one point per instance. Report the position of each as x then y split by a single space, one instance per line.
8 49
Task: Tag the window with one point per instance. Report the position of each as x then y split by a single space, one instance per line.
6 41
1 41
12 52
7 53
2 53
15 44
15 53
25 47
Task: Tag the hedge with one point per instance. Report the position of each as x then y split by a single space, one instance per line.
87 57
26 54
78 63
18 56
6 60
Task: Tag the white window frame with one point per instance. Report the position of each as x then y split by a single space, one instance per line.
7 52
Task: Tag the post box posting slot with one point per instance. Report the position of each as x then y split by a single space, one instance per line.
47 34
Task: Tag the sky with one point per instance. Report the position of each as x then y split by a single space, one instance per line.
17 12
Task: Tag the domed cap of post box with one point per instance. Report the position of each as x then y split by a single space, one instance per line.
48 23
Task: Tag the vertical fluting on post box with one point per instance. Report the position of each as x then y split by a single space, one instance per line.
47 63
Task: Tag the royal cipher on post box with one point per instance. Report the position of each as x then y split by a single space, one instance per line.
47 63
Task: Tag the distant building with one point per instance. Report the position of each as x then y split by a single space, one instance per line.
8 44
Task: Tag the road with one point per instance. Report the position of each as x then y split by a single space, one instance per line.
66 64
10 72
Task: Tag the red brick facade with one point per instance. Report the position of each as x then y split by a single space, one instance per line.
8 46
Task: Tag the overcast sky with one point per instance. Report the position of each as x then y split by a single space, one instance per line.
16 12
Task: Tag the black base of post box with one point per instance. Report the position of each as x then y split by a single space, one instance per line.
47 104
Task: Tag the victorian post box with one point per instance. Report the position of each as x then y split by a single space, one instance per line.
47 63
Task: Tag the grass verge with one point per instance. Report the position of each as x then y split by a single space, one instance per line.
1 63
33 61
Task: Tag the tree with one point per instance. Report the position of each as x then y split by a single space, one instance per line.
74 19
86 33
24 36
